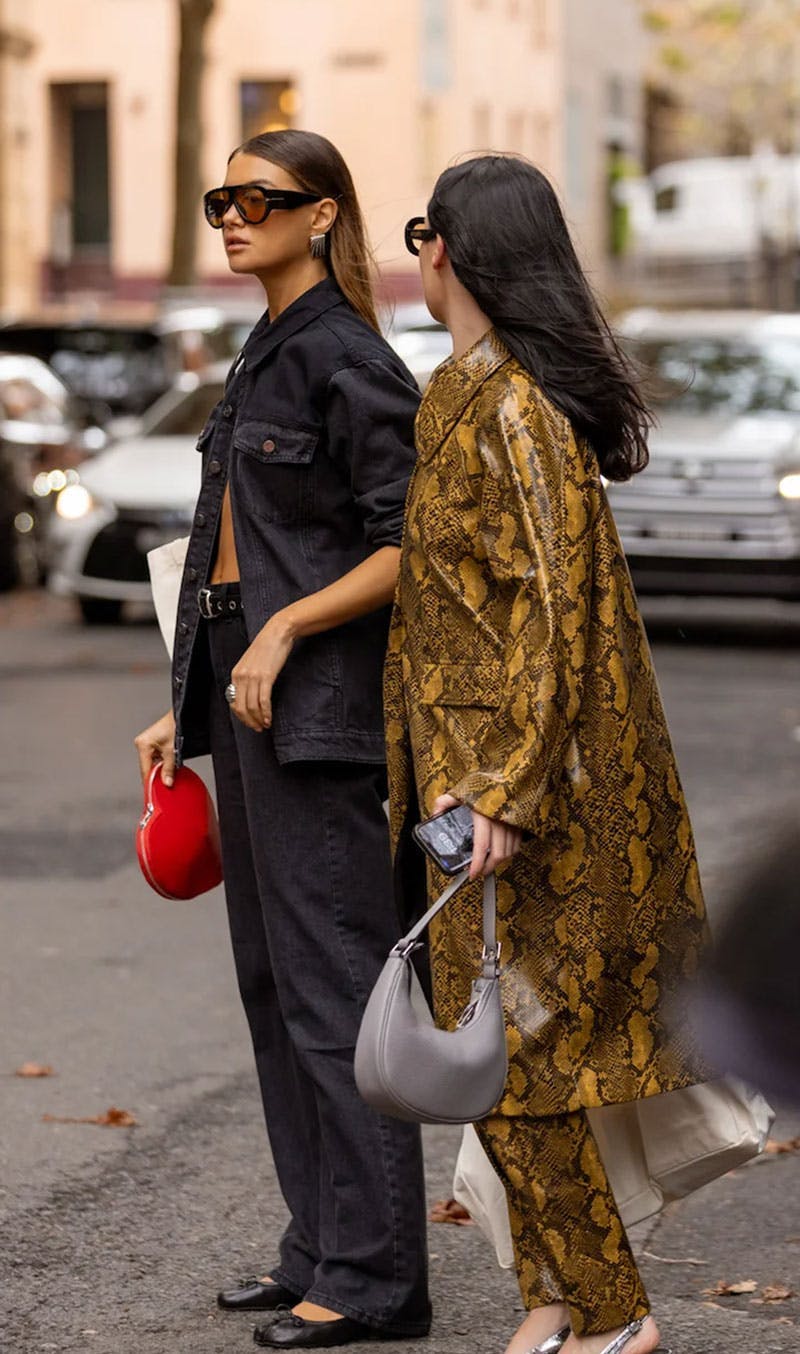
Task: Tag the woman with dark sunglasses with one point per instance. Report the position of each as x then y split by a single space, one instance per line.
519 681
279 647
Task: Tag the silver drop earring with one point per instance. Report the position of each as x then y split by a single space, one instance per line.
319 246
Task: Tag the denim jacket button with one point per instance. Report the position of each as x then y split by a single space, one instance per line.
269 445
227 411
214 467
178 681
183 628
200 519
191 574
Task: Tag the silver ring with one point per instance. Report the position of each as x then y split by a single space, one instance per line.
230 693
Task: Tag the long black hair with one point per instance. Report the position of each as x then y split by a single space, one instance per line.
510 246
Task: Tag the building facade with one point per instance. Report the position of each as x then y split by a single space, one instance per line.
87 95
605 54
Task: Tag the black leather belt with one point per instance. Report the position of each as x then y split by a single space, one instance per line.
220 601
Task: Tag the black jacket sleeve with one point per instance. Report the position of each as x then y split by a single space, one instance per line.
371 408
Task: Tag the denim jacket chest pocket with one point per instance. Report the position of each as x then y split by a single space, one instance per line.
275 467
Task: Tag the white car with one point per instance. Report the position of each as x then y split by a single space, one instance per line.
717 511
136 495
40 444
418 339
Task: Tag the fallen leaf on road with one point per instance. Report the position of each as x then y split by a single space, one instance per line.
448 1210
775 1147
113 1118
774 1292
34 1070
731 1290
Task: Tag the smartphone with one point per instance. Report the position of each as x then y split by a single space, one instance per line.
447 839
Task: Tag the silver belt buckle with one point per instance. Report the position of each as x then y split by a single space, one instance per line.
204 603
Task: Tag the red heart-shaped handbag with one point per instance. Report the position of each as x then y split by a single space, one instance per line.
177 840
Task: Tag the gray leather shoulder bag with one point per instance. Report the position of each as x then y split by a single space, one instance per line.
408 1068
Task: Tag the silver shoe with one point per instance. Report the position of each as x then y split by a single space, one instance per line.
553 1344
620 1341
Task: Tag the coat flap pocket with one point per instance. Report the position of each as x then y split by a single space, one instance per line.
275 443
474 684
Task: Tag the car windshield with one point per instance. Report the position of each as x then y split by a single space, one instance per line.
223 343
124 366
182 413
725 376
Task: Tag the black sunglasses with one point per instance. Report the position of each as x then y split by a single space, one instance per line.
417 233
252 202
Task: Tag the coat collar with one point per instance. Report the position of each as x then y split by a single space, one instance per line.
268 334
452 386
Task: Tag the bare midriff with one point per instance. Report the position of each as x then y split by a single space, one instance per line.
226 565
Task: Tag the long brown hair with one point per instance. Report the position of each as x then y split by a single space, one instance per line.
318 167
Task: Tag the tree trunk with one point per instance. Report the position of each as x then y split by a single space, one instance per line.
194 18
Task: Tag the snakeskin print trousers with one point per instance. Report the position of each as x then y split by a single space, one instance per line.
569 1242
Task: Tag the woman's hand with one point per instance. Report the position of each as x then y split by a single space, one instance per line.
157 744
368 586
493 842
257 671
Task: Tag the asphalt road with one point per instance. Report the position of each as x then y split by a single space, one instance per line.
115 1239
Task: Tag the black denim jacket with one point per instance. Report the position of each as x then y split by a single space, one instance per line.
316 433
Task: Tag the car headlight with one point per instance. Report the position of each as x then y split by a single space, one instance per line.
789 485
74 502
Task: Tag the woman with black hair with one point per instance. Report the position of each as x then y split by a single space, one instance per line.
279 649
519 681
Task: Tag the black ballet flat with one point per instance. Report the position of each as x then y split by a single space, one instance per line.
292 1332
254 1296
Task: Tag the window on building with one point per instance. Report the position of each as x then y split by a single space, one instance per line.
576 149
266 106
515 132
436 47
616 96
80 195
541 133
667 199
429 161
481 126
540 25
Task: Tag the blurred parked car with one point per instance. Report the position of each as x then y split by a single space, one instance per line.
40 446
136 495
419 340
117 366
718 509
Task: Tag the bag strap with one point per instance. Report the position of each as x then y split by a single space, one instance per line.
490 958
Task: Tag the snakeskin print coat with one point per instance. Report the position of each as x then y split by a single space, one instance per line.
519 679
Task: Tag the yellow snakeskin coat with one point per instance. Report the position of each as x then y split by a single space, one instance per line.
519 678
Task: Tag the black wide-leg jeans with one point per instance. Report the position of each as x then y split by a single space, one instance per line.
312 918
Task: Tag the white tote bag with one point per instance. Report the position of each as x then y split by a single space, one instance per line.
654 1150
166 571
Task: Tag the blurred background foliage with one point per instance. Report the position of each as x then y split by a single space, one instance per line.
734 69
